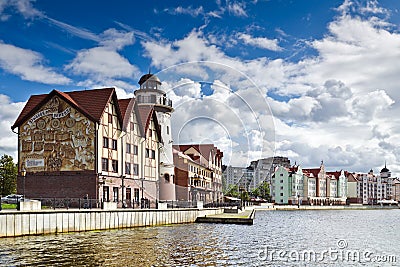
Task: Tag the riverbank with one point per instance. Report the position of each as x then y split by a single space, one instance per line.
351 207
21 223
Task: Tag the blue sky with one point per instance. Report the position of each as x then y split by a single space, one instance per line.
308 79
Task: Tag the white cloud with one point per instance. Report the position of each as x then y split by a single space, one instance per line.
337 101
194 12
24 7
101 62
373 8
260 42
116 39
9 112
76 31
28 65
237 9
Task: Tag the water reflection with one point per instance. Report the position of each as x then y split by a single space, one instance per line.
212 244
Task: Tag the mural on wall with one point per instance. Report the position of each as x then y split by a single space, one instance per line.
57 138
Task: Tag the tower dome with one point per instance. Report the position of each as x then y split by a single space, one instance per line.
385 173
150 78
151 93
385 169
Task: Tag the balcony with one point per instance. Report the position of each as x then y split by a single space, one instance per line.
153 99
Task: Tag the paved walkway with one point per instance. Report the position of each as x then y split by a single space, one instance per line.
243 217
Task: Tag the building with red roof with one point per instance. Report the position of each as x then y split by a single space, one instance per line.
89 143
198 171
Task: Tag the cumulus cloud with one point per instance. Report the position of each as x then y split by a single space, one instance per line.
29 65
9 111
260 42
115 39
101 62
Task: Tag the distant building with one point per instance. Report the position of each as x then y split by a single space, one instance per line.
295 185
198 171
252 176
264 168
232 175
371 188
281 189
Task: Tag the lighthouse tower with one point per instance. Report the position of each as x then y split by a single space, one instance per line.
150 93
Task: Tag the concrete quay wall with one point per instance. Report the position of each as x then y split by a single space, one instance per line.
20 223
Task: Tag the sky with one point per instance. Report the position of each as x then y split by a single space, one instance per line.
308 79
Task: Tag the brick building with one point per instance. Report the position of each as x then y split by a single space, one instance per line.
198 173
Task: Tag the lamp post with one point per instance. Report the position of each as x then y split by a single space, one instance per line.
142 188
123 188
298 200
23 172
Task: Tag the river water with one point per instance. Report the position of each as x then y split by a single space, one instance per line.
277 238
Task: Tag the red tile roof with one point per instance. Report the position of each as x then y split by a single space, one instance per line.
203 149
126 106
145 114
314 172
91 103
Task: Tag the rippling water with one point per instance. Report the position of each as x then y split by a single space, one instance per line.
290 233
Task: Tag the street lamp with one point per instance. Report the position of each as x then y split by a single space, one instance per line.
298 200
23 172
142 188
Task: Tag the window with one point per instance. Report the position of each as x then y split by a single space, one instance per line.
135 169
150 132
115 165
281 187
104 164
115 194
281 194
114 144
281 174
167 129
110 118
105 142
128 148
153 154
127 168
135 149
132 126
147 153
281 181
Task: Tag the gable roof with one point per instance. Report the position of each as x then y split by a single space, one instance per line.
91 103
314 172
203 149
145 114
126 106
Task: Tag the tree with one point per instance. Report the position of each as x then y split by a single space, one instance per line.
232 191
262 191
8 175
